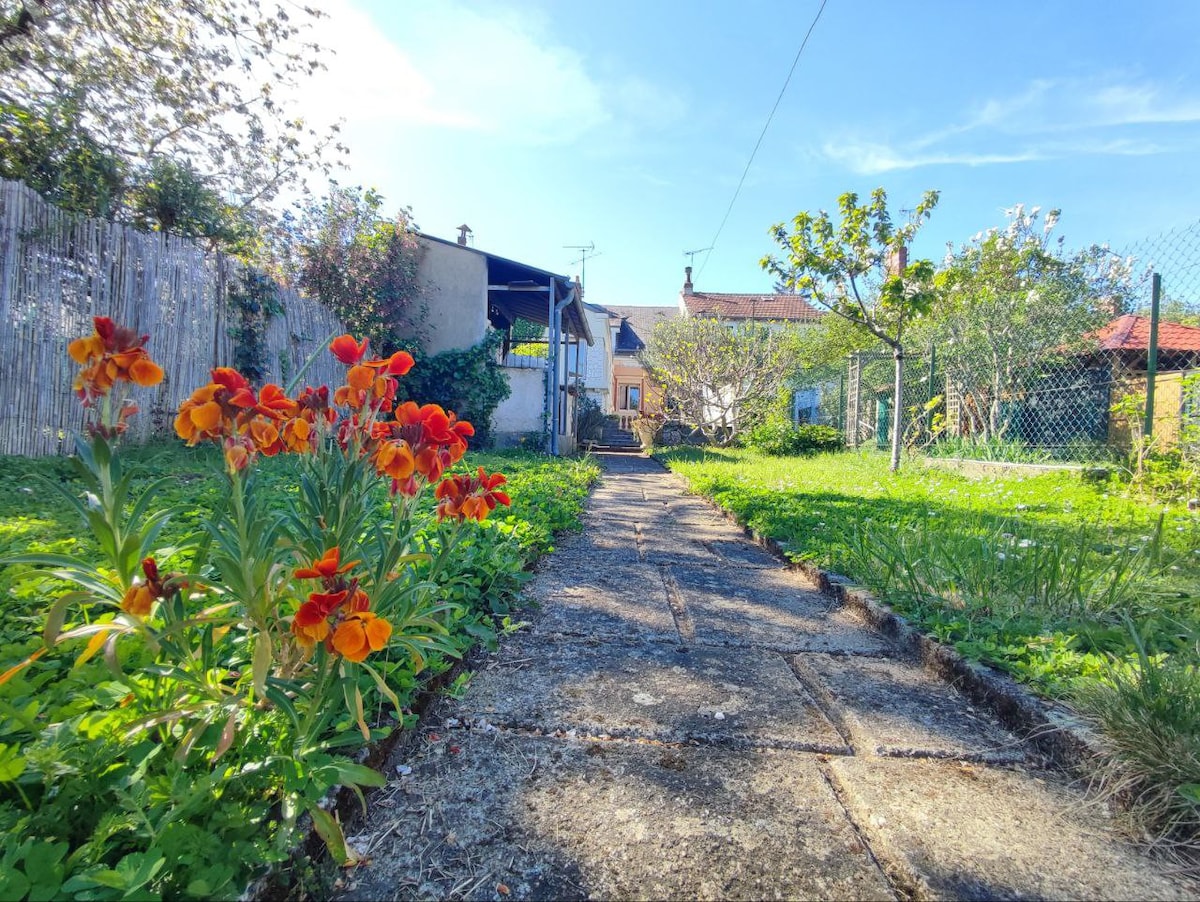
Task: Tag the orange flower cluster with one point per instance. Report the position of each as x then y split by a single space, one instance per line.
419 441
228 411
338 616
370 384
110 355
470 497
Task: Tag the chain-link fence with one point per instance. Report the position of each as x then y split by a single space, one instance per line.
1051 364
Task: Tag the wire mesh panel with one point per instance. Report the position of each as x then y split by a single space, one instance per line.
1045 355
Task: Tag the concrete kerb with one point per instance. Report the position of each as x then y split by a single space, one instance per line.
1052 728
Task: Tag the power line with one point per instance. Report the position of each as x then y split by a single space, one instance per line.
761 135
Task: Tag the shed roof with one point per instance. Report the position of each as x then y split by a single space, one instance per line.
1132 333
518 290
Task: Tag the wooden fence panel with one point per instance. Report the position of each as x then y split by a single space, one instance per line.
58 270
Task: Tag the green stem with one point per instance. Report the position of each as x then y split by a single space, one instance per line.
315 702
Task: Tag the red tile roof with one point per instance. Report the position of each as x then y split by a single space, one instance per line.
1132 333
751 306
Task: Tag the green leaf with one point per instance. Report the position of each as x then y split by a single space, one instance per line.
262 662
331 832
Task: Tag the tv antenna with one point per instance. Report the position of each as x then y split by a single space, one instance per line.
691 255
585 251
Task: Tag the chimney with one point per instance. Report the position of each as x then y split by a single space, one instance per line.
897 261
463 231
687 280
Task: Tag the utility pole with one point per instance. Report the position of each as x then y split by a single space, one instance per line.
585 251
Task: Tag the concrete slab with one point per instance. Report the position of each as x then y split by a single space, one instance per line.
769 609
705 545
659 692
968 831
496 816
612 596
897 708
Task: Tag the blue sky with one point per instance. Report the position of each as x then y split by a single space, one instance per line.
628 124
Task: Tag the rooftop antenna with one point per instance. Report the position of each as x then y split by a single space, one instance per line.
585 250
691 255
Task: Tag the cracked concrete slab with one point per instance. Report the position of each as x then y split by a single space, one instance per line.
894 708
969 831
660 692
770 609
547 819
618 597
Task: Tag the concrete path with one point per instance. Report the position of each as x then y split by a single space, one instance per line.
686 718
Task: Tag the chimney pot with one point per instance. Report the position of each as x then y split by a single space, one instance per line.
463 231
687 280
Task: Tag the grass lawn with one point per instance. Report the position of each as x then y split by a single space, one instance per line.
1032 573
1079 589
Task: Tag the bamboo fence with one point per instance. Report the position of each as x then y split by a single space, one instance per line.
58 270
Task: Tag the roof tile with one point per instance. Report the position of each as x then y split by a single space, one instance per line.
751 306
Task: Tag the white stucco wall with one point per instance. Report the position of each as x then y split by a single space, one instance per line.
453 283
521 411
597 380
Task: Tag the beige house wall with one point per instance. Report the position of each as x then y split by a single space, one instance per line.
453 283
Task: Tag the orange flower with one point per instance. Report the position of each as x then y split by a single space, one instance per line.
394 459
470 497
360 634
138 600
272 402
110 355
298 435
327 567
347 350
265 436
238 454
140 597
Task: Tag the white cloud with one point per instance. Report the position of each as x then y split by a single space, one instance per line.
481 70
1048 119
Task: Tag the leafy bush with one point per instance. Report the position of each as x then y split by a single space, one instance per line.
778 437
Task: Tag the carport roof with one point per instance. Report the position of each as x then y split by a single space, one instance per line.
520 290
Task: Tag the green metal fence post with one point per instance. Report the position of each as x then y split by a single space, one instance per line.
1152 356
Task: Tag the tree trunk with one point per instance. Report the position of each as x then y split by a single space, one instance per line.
898 408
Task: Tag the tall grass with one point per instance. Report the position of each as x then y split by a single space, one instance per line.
1148 718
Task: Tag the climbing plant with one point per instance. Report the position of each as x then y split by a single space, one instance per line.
252 299
470 382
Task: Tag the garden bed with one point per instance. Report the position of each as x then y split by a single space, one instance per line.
221 846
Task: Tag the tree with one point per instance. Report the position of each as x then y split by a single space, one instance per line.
358 263
718 376
857 272
194 81
1038 303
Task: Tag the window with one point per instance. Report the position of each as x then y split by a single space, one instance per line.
631 396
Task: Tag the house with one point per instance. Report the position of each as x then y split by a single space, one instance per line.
632 391
738 308
1126 343
467 291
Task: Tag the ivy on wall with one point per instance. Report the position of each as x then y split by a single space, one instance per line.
470 382
253 298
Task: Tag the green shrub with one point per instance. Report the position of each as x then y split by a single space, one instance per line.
778 437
